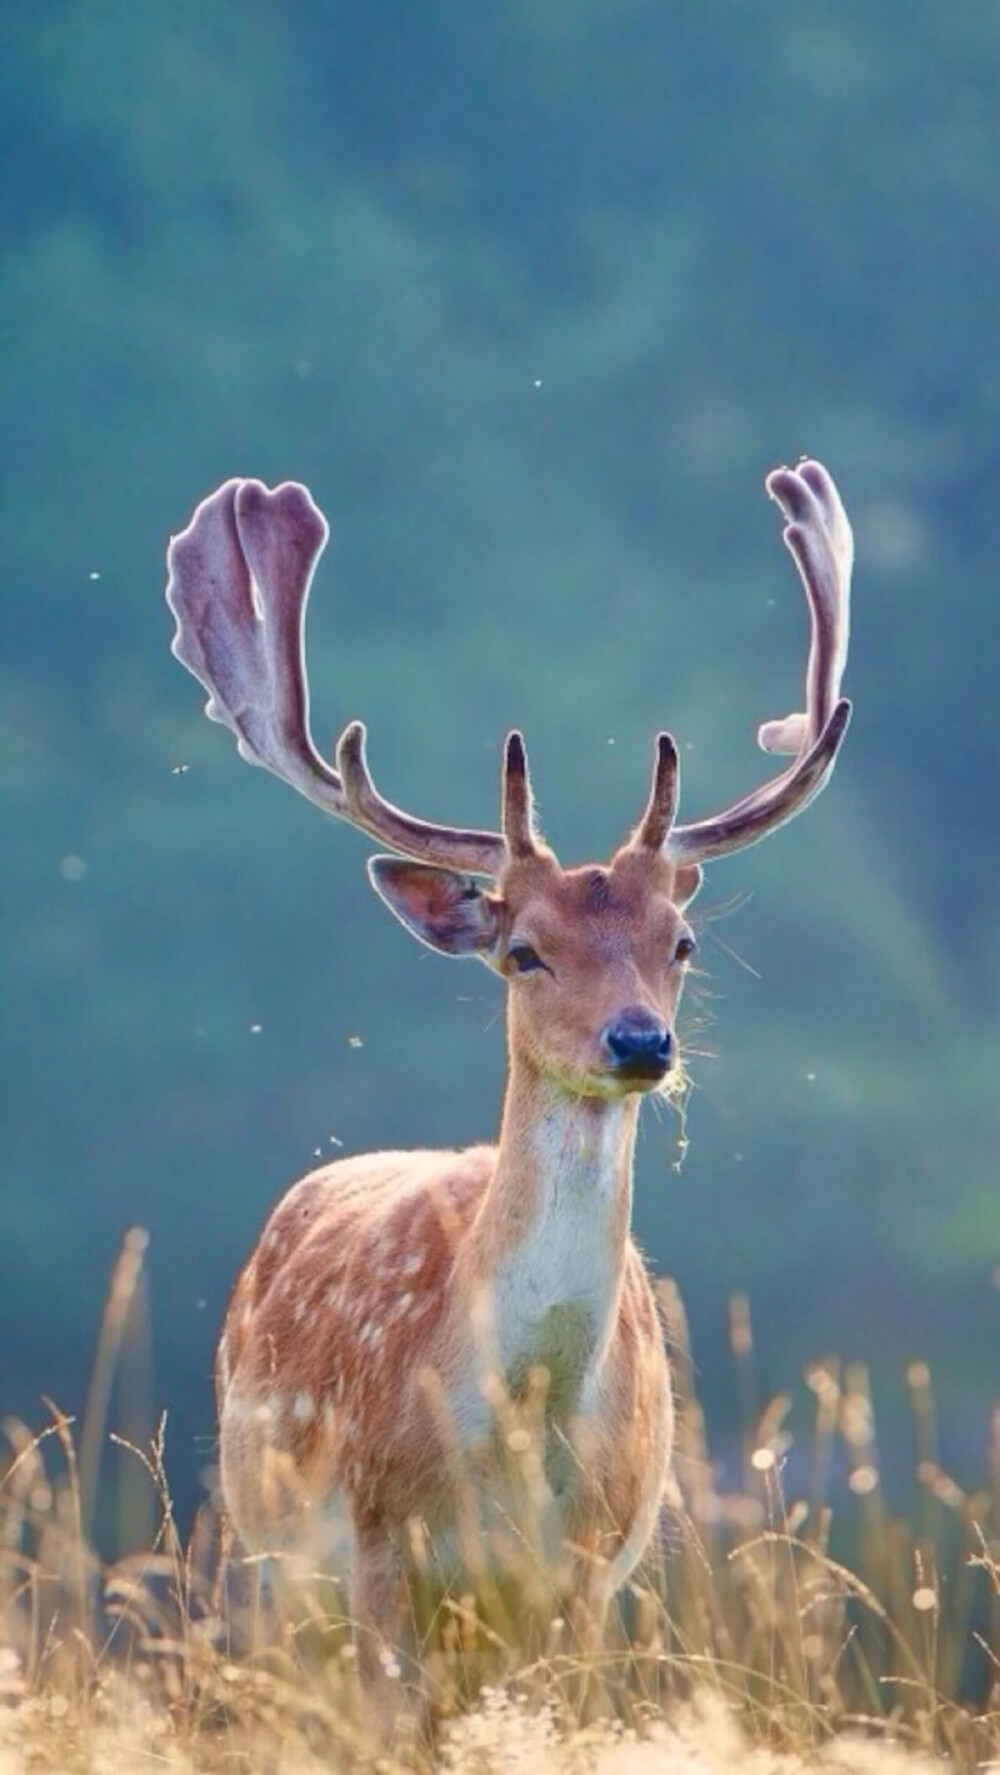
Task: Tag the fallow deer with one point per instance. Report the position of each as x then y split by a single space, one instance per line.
352 1367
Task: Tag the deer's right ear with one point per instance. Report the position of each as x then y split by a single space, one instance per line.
448 911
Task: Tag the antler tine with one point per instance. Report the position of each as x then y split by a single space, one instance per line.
518 812
818 537
239 581
458 847
653 829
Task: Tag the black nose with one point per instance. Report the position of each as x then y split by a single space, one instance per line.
637 1042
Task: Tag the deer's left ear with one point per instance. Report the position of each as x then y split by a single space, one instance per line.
448 911
687 882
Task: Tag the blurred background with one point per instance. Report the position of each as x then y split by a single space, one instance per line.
532 294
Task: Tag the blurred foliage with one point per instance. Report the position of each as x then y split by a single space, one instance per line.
531 295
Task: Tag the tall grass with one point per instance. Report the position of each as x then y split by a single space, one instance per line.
743 1643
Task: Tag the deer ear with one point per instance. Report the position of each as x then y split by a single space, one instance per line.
687 882
448 911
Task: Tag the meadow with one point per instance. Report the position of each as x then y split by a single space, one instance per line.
749 1642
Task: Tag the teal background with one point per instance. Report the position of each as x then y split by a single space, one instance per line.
531 294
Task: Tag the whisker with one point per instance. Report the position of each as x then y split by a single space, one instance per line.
734 955
724 908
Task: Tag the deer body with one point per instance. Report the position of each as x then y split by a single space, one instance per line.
324 1428
396 1305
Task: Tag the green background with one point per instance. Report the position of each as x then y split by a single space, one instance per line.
531 293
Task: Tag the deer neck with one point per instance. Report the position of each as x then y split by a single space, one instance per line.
549 1246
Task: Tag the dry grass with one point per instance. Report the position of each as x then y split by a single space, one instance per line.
745 1646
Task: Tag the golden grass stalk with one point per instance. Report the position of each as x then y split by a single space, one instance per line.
745 1644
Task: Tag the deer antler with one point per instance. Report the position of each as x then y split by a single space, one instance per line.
818 537
239 584
239 580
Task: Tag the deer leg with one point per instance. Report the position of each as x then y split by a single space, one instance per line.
378 1621
587 1606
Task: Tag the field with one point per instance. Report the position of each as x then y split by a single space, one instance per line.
747 1644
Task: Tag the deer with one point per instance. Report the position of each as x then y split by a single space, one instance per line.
389 1296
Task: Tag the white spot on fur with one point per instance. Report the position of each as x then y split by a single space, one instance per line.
303 1407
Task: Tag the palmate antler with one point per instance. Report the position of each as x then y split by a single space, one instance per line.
818 537
239 581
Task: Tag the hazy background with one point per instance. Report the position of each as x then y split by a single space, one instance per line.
531 293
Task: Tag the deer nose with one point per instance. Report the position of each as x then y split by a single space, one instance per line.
636 1041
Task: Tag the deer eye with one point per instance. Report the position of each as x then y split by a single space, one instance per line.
686 947
524 958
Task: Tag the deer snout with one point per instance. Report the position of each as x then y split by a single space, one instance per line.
637 1044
